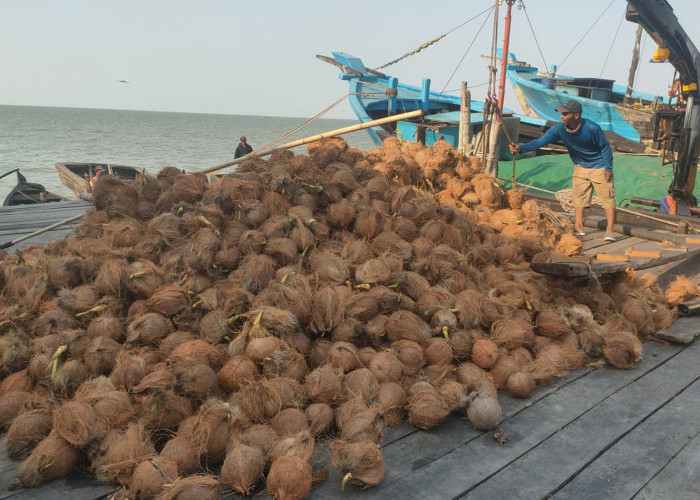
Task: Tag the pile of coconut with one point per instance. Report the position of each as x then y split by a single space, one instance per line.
194 336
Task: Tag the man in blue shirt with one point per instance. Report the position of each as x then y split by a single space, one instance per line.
590 151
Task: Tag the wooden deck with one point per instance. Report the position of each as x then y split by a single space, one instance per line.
598 433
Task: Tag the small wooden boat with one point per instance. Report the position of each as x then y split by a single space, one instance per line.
75 175
28 193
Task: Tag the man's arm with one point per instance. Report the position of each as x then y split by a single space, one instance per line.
549 137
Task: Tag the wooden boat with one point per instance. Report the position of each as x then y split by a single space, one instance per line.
28 193
73 175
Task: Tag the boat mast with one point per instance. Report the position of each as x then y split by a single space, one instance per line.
504 58
635 62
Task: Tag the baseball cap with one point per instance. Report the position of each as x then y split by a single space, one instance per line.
570 106
242 138
99 168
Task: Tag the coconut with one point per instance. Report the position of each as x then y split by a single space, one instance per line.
520 385
92 390
324 384
680 290
26 431
210 428
360 383
144 278
438 351
289 421
53 458
511 333
196 381
484 353
291 392
289 478
299 445
471 376
196 351
329 268
260 436
69 376
405 325
185 455
113 409
78 299
11 405
521 355
107 326
386 367
426 406
149 329
349 330
410 354
639 313
551 324
391 397
484 413
151 475
455 394
461 343
201 487
163 410
549 365
101 355
128 370
365 425
236 373
362 462
343 355
75 422
502 369
320 418
15 352
318 352
243 467
622 349
52 321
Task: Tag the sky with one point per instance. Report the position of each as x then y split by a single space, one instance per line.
257 57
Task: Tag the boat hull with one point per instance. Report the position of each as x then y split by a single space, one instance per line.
72 175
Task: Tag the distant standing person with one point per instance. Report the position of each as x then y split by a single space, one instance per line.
590 151
243 148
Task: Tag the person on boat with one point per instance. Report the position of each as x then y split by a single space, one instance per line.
243 148
590 151
92 179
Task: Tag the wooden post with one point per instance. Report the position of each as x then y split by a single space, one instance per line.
492 157
464 146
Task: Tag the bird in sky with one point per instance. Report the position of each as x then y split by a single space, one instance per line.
123 81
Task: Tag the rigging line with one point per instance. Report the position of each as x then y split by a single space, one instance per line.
465 55
586 33
534 36
611 47
431 42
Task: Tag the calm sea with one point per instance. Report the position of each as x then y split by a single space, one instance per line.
33 139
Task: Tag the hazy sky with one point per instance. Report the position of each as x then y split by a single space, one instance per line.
258 56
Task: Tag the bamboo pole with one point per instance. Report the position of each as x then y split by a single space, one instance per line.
464 146
318 137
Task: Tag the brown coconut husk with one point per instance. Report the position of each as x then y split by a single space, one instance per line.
456 395
107 326
320 418
260 400
260 436
405 325
161 378
148 329
680 290
549 365
300 445
410 354
64 272
13 404
639 312
69 376
168 300
484 413
237 372
53 458
243 467
201 487
289 421
392 398
373 271
101 355
550 323
349 330
52 321
113 409
185 455
360 383
78 299
172 341
122 451
622 349
520 385
128 370
362 462
289 477
439 352
502 369
485 353
291 392
15 351
151 475
262 348
26 431
511 333
75 422
329 268
163 410
365 425
343 355
386 367
92 390
324 384
426 406
196 351
569 245
144 278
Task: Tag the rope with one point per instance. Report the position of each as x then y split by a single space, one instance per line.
431 42
534 36
610 49
586 33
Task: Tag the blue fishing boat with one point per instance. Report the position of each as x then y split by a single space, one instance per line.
629 114
374 95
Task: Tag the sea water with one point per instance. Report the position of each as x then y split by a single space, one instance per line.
34 139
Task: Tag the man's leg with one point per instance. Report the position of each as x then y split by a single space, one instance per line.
578 219
610 215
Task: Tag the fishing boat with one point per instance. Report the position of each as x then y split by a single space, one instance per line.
75 175
630 115
374 95
28 193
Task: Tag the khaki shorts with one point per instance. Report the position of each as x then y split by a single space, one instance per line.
587 179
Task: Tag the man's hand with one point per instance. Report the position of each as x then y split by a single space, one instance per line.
608 176
514 148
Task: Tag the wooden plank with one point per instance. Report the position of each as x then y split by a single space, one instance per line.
553 462
417 465
636 459
632 252
612 257
692 241
679 479
683 330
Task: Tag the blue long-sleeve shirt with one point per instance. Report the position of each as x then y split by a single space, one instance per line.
588 147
